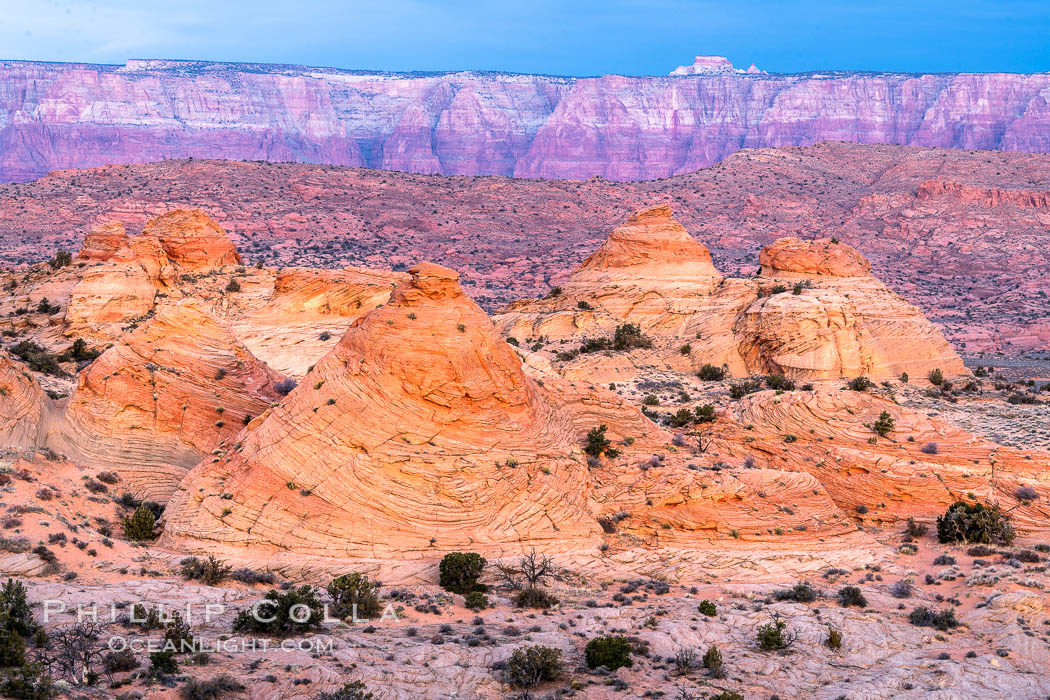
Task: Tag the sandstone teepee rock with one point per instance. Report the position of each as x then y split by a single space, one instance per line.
418 433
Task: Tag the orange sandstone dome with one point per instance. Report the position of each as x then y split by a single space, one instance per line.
419 430
824 256
21 400
192 239
104 241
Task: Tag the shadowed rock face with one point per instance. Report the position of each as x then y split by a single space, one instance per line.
68 116
160 399
816 313
420 424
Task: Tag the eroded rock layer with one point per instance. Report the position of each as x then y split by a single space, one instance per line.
21 402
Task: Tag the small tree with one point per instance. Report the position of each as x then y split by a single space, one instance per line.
773 637
275 615
975 523
354 595
598 444
712 373
529 666
713 662
233 286
139 526
62 258
459 572
936 377
884 425
851 596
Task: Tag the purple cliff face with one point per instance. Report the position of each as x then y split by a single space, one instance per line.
55 116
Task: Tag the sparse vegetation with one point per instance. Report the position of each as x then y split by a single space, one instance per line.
974 522
139 526
884 425
275 613
612 652
943 620
459 572
210 571
851 596
529 666
598 445
774 636
355 596
711 373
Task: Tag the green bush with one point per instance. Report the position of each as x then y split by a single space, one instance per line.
860 384
459 572
801 592
708 608
119 661
727 695
275 617
534 597
924 617
30 682
771 636
851 596
834 640
163 663
15 613
476 600
779 382
529 666
884 425
975 523
598 444
233 286
139 526
177 635
61 259
210 571
713 662
354 595
610 652
12 646
711 373
629 336
936 377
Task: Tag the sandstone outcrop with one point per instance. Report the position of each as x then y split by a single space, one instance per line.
835 320
165 395
470 123
125 285
21 402
104 241
418 433
308 312
828 434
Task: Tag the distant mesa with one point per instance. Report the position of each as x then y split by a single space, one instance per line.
713 65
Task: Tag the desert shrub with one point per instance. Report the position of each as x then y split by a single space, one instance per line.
860 384
79 352
772 637
801 592
685 660
459 572
119 661
1026 493
529 666
975 522
705 413
476 600
275 616
285 386
611 652
851 596
251 576
29 682
779 382
980 550
598 444
12 646
682 418
534 597
1019 399
944 560
61 259
108 477
712 373
943 620
233 286
936 377
163 663
914 528
210 571
629 336
902 589
139 526
931 448
38 358
707 608
354 690
177 635
834 640
1027 556
739 390
712 661
354 595
217 687
884 425
727 695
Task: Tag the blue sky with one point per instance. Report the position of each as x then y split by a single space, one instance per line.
538 36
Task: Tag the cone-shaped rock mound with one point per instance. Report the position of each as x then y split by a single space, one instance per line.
419 432
192 239
164 396
651 244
